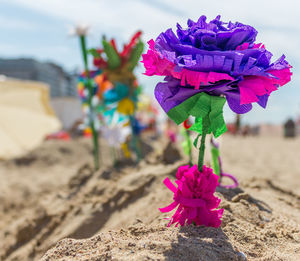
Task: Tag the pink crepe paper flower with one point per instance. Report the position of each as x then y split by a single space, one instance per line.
194 197
217 58
155 64
251 87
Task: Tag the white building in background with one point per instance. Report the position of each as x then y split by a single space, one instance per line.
61 83
68 110
298 125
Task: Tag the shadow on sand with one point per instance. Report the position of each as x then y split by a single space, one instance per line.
211 244
202 244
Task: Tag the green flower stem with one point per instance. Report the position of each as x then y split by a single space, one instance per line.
205 125
215 155
190 147
90 89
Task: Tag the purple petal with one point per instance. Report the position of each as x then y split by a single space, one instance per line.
263 100
235 106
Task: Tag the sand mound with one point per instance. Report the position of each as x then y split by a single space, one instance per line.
250 229
112 214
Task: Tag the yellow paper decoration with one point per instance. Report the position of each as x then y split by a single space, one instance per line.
126 107
125 150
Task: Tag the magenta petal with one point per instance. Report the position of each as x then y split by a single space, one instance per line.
169 208
191 202
181 170
247 94
186 192
256 84
170 185
194 197
283 76
213 203
193 213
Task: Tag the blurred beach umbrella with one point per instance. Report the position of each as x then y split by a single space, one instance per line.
25 116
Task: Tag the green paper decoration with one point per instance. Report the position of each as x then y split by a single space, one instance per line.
215 153
113 59
94 53
135 55
202 106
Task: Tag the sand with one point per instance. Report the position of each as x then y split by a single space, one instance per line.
53 200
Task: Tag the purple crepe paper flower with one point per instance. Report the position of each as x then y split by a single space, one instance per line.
216 35
194 197
216 56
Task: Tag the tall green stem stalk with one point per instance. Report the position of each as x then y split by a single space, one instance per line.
189 144
202 144
91 107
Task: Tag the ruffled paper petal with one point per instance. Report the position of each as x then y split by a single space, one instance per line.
283 76
253 87
235 104
263 100
234 63
247 94
194 197
169 208
245 62
181 171
216 58
215 35
155 65
170 94
209 218
170 185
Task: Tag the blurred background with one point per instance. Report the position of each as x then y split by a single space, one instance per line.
34 35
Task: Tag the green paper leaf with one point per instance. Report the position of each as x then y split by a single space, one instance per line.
94 52
135 55
200 106
196 140
217 123
113 58
197 126
215 153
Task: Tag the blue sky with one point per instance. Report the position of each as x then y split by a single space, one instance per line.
39 29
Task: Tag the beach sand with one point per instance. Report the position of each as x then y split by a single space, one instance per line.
53 200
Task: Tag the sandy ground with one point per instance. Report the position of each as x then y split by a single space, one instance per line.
53 193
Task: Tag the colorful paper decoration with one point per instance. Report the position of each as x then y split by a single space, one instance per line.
194 197
207 64
117 68
87 91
